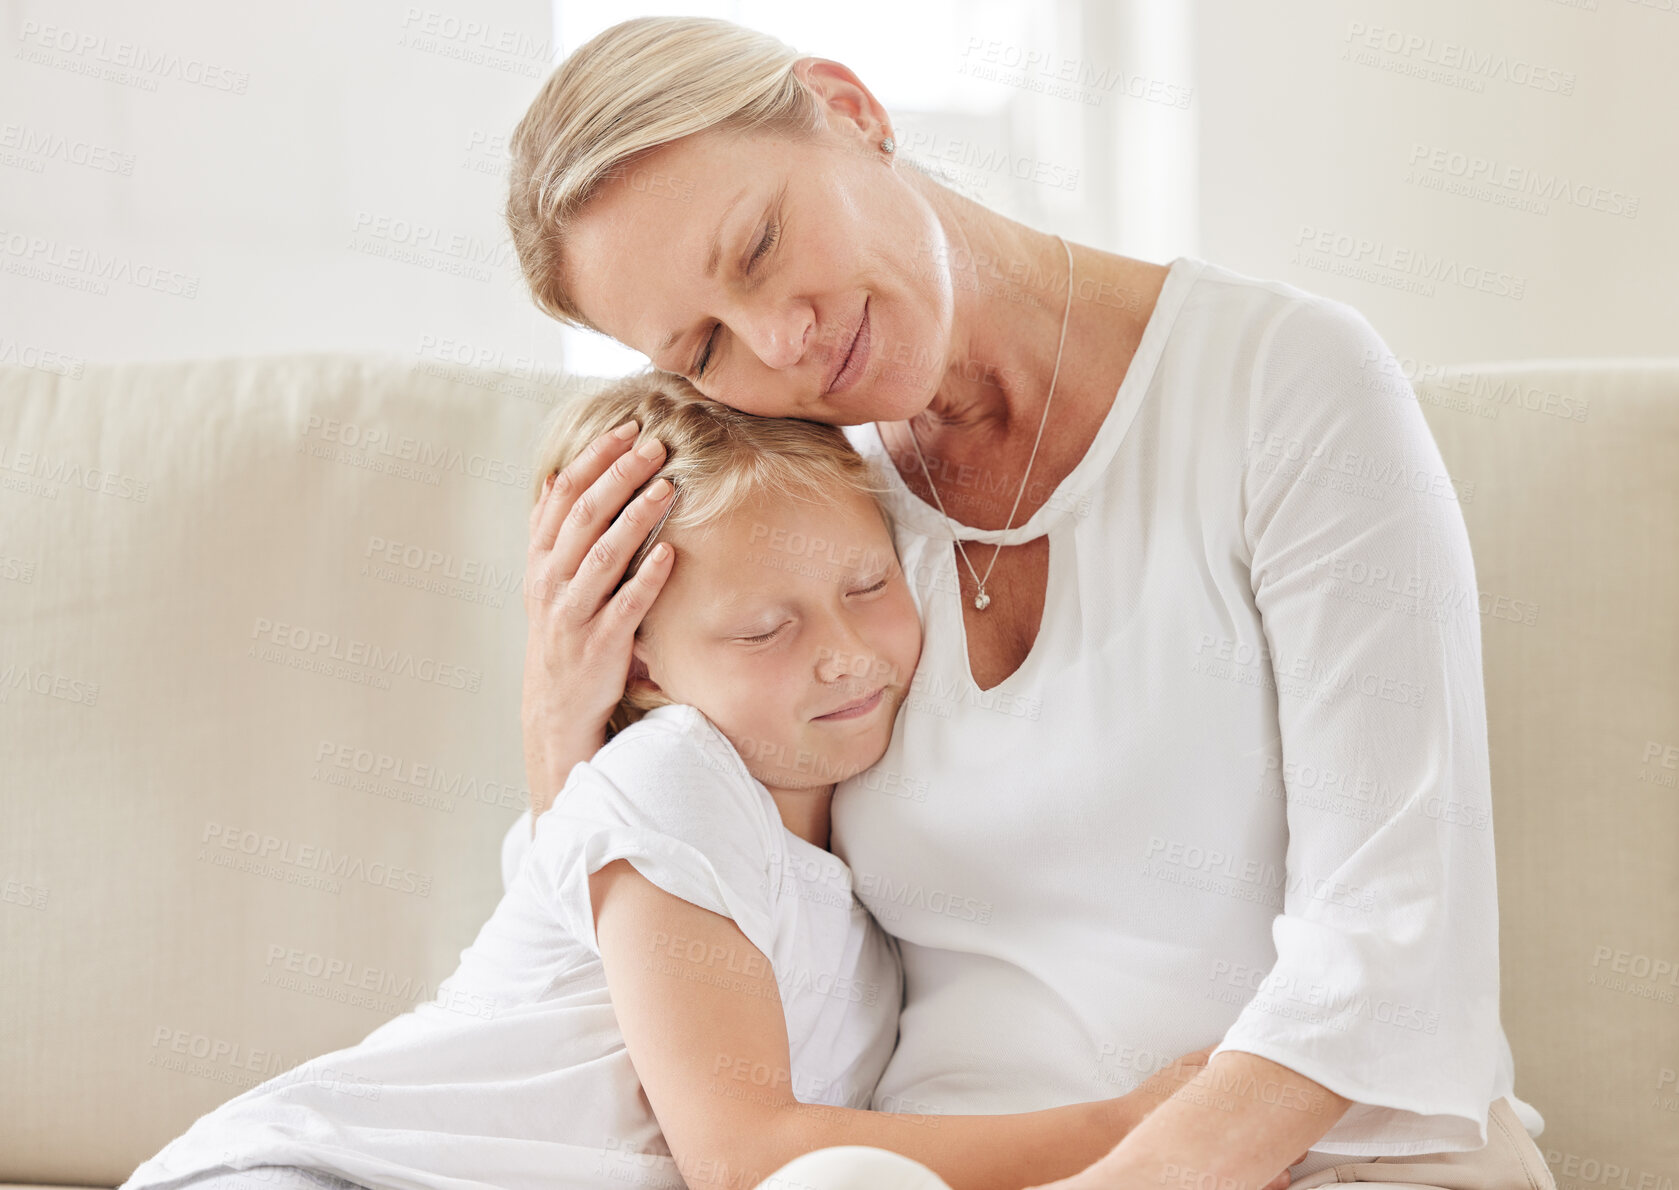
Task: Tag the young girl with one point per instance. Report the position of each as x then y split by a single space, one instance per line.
678 986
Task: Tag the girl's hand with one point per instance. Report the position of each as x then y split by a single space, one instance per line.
577 655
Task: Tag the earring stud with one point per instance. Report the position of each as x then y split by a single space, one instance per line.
887 145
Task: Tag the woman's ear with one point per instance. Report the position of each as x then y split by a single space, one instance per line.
846 102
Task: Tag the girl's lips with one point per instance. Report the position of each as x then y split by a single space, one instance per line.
855 359
856 709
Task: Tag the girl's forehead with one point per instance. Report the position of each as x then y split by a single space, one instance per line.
837 540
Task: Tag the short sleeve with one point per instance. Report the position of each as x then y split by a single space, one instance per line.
669 794
1386 985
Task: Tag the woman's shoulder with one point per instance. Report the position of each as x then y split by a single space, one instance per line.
1260 336
1223 299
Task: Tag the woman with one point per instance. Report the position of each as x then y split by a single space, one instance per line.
1197 746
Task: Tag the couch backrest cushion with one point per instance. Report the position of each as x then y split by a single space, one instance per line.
261 639
1568 475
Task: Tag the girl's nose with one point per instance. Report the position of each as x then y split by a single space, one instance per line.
833 664
847 657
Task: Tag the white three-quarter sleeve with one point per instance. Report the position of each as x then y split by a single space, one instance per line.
1385 986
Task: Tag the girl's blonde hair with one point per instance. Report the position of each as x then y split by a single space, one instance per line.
717 458
629 90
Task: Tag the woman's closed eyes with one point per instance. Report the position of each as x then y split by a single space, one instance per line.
767 240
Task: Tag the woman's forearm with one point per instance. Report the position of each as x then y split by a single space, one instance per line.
549 758
1238 1124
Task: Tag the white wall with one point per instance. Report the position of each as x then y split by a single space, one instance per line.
281 168
277 171
1306 132
193 178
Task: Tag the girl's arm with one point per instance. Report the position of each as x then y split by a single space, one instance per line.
708 1039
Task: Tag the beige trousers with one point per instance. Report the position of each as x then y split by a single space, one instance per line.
1510 1161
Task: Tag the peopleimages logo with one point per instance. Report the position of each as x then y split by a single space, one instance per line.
48 685
39 145
888 897
453 785
263 848
78 266
40 359
1414 265
1418 51
1472 169
382 443
131 62
332 647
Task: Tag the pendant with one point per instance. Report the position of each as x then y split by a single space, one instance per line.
982 601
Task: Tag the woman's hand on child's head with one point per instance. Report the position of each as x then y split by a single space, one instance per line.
577 656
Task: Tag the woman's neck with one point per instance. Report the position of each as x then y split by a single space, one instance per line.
1011 290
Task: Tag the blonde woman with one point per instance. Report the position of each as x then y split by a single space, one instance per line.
1197 744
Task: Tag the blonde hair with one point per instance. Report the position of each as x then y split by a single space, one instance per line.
716 457
629 90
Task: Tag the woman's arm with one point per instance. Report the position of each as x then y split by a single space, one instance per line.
713 1057
1233 1127
577 657
1388 897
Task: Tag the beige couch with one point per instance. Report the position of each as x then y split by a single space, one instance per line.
260 642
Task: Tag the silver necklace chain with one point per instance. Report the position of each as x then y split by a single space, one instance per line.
981 599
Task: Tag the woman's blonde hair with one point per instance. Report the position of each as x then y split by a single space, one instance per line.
717 458
627 91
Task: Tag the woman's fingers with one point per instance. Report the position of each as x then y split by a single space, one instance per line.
582 471
576 479
541 501
587 495
623 615
603 565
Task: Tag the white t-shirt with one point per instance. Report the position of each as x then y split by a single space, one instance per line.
1239 787
516 1076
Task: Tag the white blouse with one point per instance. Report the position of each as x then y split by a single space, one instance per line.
1238 790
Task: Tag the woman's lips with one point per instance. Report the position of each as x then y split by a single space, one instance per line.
856 358
855 709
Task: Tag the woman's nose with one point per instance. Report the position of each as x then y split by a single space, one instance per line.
778 336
